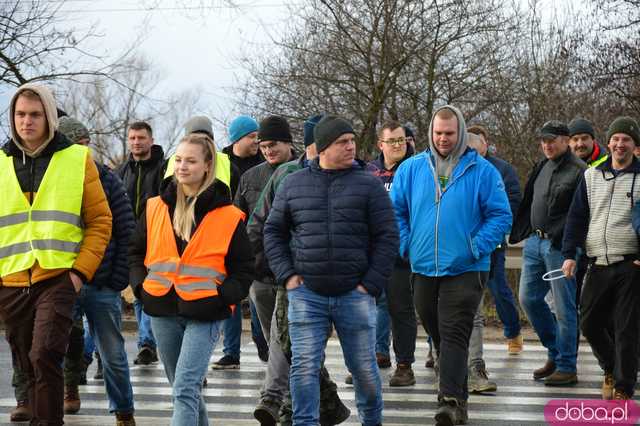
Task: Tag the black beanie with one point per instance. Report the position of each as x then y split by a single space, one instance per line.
329 129
274 128
578 126
626 125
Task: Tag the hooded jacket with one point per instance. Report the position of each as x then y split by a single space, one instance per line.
30 167
452 231
238 262
335 228
142 179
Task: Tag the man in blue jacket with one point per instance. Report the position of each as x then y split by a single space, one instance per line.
452 211
331 239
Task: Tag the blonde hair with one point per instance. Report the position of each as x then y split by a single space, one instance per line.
184 215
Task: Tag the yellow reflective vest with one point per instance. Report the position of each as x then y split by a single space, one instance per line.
223 168
50 230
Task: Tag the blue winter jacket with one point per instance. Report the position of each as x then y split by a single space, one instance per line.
335 228
458 232
113 271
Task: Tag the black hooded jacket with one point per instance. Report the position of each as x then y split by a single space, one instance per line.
239 262
142 179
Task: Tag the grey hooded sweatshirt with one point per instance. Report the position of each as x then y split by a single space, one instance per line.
444 165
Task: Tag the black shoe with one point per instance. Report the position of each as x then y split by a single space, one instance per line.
146 355
99 375
545 371
264 355
267 412
451 412
335 414
227 362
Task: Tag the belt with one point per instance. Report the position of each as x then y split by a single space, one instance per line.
541 234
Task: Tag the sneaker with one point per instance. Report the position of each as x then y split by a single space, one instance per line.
146 355
559 378
99 374
620 395
349 379
515 345
71 400
403 376
545 371
430 361
267 412
478 380
125 419
607 386
227 362
451 412
383 360
22 412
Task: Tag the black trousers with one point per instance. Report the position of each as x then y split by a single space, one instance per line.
446 306
403 315
610 319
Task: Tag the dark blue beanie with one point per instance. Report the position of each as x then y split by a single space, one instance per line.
309 125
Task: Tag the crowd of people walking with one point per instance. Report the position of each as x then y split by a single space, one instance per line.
319 242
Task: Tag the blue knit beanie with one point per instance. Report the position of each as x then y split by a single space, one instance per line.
309 125
242 126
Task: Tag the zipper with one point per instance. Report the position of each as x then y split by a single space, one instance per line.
606 222
138 182
330 233
437 223
32 184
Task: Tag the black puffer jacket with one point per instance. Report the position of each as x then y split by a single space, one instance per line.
564 182
142 179
114 268
335 228
238 262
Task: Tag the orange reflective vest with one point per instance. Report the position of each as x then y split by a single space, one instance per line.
197 273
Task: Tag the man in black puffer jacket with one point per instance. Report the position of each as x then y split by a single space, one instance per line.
100 299
332 239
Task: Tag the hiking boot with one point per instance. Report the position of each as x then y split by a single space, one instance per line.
559 378
99 374
267 412
125 419
479 382
71 400
383 360
451 412
403 376
515 345
227 362
146 355
620 395
349 379
336 414
607 386
545 371
22 412
430 361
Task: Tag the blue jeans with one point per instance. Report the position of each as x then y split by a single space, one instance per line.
503 296
103 309
89 344
557 333
354 316
383 321
145 334
185 346
232 331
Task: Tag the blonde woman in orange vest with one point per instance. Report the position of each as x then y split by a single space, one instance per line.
191 262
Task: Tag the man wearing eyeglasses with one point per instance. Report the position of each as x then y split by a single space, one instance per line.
540 221
397 302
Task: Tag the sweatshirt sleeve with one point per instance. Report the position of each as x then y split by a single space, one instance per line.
96 216
577 225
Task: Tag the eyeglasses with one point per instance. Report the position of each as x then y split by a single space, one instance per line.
396 141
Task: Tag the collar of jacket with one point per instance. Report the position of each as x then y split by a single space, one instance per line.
314 165
157 156
217 195
607 166
58 143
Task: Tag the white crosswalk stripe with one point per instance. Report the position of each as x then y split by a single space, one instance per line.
231 395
